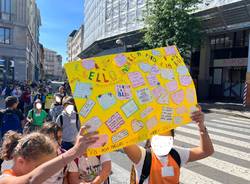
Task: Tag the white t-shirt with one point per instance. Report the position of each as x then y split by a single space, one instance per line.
89 167
184 156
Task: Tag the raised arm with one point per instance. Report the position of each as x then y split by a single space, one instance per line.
205 148
48 169
134 153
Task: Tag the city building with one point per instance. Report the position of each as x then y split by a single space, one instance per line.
42 61
75 44
19 40
52 65
219 67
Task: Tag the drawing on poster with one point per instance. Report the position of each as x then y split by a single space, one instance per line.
170 50
145 67
166 114
157 92
123 92
87 107
163 99
120 60
136 125
155 70
119 136
94 123
151 123
115 122
185 80
136 79
181 110
88 64
182 70
144 95
129 108
146 112
178 97
152 79
177 120
190 94
172 86
106 100
82 90
167 74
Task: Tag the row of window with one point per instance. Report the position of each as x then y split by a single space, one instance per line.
5 9
4 35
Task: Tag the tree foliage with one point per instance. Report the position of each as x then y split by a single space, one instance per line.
170 22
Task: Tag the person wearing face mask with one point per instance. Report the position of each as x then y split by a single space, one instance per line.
56 108
68 120
36 117
161 164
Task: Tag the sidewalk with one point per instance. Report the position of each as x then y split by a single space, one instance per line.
232 109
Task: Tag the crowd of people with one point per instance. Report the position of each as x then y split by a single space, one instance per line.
40 145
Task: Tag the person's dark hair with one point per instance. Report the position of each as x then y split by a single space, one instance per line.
10 141
10 101
68 101
51 128
30 147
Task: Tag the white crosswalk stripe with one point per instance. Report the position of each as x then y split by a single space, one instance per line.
232 122
188 176
226 132
238 122
217 137
226 126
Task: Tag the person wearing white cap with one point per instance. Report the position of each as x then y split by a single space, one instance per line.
161 164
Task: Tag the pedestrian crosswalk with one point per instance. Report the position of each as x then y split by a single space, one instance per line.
230 164
228 134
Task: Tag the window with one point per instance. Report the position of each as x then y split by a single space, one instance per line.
5 9
4 35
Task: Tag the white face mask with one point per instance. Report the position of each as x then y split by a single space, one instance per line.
69 109
161 145
58 99
38 106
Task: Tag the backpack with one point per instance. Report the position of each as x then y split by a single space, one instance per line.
10 121
77 118
147 165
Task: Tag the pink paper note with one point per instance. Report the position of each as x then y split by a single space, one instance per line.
88 64
136 79
185 80
152 79
170 50
172 86
120 60
114 122
178 97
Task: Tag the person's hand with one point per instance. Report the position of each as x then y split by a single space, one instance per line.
198 118
84 140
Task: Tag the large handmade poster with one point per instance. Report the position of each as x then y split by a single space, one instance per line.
129 97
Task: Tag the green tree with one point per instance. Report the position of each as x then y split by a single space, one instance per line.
170 22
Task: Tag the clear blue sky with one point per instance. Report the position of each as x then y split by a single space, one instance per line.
59 19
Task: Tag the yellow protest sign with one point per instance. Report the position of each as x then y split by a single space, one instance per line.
49 101
129 97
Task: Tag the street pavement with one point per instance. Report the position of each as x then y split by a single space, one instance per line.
230 164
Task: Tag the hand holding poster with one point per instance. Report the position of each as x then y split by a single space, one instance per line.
129 97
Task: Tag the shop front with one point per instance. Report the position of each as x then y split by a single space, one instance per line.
227 79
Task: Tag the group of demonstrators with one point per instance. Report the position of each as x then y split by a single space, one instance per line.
41 145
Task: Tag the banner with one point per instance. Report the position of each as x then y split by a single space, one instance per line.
130 97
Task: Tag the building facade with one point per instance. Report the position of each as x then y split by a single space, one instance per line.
106 21
52 65
19 40
220 67
75 44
